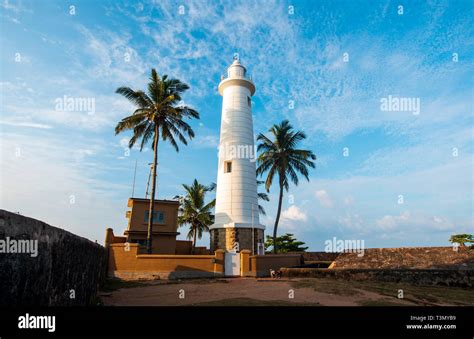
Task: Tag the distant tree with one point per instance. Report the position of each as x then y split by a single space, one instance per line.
158 114
461 239
286 243
194 211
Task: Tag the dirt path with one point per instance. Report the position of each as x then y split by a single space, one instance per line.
240 291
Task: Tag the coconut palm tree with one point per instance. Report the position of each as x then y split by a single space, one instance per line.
280 157
194 212
262 196
158 114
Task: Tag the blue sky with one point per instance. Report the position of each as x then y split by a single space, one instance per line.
335 60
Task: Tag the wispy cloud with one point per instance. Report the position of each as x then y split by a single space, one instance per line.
25 124
334 62
45 175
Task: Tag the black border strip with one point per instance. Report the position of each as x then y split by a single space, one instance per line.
223 322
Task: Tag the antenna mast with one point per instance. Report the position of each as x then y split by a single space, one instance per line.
134 177
148 183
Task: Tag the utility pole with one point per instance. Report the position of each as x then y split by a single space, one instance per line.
134 177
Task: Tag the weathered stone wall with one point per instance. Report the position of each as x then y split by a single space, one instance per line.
403 257
225 238
320 256
408 257
425 277
64 262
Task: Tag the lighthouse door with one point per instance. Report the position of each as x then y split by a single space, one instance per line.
232 264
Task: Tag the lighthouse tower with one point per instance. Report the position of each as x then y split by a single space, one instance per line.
237 225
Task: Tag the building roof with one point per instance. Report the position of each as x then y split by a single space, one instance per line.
172 202
154 232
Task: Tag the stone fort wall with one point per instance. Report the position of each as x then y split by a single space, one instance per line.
400 258
64 263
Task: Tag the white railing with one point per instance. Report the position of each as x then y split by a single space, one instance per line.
245 76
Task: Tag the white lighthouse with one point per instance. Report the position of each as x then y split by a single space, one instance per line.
237 224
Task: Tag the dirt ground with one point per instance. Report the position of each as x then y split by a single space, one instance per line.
278 292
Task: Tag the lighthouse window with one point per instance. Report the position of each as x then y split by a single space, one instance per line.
227 166
249 101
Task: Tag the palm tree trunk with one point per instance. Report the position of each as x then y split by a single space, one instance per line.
280 200
194 240
152 197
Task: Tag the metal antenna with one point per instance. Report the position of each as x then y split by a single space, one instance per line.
134 177
148 183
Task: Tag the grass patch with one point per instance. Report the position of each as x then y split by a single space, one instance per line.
331 286
428 295
421 295
252 302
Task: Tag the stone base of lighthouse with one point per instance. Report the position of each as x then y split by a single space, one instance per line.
226 239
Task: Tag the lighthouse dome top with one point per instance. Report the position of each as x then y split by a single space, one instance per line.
236 74
237 63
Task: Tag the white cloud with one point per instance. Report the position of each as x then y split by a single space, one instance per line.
389 222
406 222
17 7
293 219
41 173
349 200
25 124
323 198
352 222
37 111
205 141
293 213
124 142
441 223
333 100
112 55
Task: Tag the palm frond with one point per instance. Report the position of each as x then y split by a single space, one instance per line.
159 109
279 156
139 98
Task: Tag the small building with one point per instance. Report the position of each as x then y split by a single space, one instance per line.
171 258
165 224
165 228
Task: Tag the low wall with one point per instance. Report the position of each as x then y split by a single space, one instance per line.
426 277
126 262
409 258
260 265
201 250
183 246
66 271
